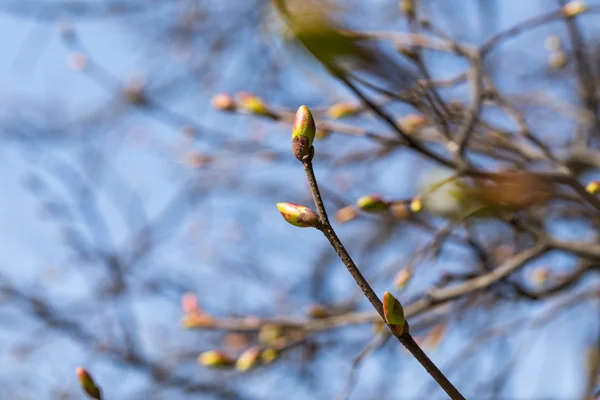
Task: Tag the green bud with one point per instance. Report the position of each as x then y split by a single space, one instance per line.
303 132
298 215
372 204
269 354
593 187
341 110
253 104
248 359
394 314
87 383
215 359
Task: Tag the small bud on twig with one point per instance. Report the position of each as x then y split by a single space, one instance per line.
269 333
223 102
318 311
269 355
87 383
372 204
216 359
416 205
394 314
253 104
402 278
298 215
303 132
346 214
248 359
593 187
574 8
341 110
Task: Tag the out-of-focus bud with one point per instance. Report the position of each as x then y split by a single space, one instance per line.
216 359
407 7
539 276
574 8
345 214
77 61
341 110
400 211
552 43
298 215
557 59
318 311
269 333
412 123
303 132
394 314
248 359
87 383
416 204
372 204
253 104
198 320
322 133
593 187
198 160
435 336
402 278
223 102
269 355
189 303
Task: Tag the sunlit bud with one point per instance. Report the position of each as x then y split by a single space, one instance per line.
574 8
298 215
416 205
412 123
198 320
394 314
216 359
189 303
372 204
539 275
77 61
223 102
593 187
303 132
248 359
268 355
318 311
341 110
557 59
253 104
87 383
268 333
402 278
346 214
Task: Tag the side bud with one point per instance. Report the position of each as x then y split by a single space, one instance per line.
593 187
372 204
574 8
394 314
248 359
215 359
298 215
341 110
253 104
303 132
223 102
87 383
